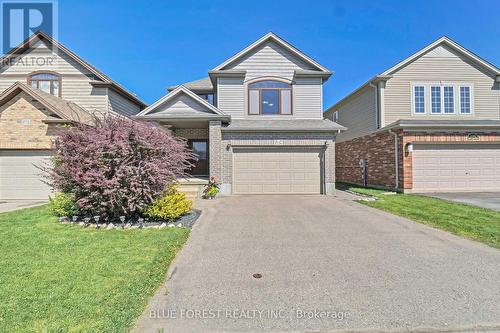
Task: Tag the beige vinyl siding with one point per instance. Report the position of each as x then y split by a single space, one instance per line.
269 59
76 79
358 114
441 65
307 98
231 96
121 105
182 105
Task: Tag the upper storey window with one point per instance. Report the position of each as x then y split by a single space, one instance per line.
443 99
270 97
208 97
48 82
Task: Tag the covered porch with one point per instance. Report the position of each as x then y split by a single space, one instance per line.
191 117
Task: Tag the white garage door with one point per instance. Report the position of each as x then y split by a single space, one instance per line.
19 176
456 167
277 171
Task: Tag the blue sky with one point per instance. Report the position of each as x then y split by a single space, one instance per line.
147 46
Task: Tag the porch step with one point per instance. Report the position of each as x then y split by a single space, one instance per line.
191 187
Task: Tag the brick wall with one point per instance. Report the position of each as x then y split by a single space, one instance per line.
377 149
21 125
192 133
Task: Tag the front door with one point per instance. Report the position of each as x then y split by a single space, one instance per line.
200 149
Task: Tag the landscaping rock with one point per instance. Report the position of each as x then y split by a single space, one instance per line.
110 226
179 225
163 225
63 219
171 225
190 218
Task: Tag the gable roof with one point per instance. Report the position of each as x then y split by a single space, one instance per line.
451 44
270 36
40 35
64 110
387 74
147 112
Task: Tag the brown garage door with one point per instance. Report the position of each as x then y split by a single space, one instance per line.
20 178
456 167
276 171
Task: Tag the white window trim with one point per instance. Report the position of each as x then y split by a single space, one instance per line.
413 99
457 107
471 92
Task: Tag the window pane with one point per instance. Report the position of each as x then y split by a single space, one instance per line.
449 103
270 100
269 84
44 76
34 84
55 85
200 149
286 102
465 99
419 99
436 99
253 96
44 85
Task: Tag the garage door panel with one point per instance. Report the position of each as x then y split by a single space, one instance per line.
456 167
276 170
20 177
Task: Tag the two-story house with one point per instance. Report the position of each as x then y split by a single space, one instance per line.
43 86
256 122
430 123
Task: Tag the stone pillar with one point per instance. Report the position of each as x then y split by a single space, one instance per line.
214 143
329 163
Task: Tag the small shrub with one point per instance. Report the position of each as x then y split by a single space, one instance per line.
116 167
171 206
63 204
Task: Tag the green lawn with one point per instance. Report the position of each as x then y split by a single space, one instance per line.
63 278
464 220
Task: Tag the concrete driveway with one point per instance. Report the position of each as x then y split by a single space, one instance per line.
8 206
490 200
327 264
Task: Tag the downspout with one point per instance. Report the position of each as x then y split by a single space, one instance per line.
396 156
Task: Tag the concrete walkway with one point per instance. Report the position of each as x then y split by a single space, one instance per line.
8 206
327 264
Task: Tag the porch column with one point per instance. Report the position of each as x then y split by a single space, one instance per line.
329 167
214 143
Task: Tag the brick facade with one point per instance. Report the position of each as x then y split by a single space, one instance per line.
22 126
378 149
192 133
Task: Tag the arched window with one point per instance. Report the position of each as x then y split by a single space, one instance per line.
46 81
269 97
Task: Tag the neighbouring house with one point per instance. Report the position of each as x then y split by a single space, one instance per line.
43 85
430 123
256 122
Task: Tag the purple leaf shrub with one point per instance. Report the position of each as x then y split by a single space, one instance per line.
117 167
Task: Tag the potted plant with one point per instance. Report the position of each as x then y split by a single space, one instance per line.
211 189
